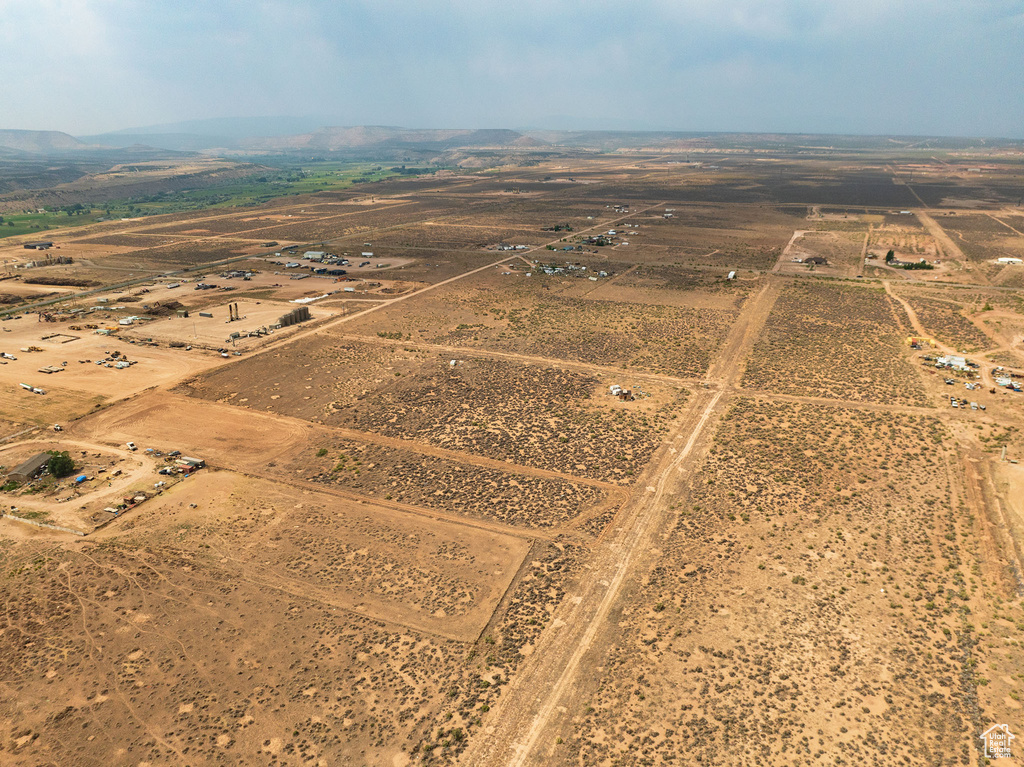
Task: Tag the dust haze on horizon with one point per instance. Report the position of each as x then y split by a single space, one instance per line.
920 67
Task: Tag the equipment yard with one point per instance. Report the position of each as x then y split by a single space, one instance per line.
586 468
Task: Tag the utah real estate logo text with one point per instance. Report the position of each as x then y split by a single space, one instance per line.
997 740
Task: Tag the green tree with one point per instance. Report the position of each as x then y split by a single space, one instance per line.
60 464
889 256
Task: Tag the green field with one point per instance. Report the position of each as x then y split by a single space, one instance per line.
280 181
266 186
13 224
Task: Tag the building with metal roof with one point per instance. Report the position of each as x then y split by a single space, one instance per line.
29 469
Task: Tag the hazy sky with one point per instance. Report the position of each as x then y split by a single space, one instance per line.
938 67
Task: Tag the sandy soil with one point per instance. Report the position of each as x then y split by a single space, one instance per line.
80 385
215 331
792 551
80 506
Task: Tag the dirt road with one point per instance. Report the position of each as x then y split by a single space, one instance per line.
948 248
533 701
141 468
428 288
986 372
911 314
784 256
526 359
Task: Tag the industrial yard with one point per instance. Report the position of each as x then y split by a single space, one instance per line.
652 466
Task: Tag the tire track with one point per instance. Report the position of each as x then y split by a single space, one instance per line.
528 708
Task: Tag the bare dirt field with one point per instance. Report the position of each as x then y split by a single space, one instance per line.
215 331
622 321
825 340
523 414
432 529
146 628
908 242
81 384
27 291
729 633
843 253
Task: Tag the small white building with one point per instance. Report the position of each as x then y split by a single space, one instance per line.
950 361
1009 260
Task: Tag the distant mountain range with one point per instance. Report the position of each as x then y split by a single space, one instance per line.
39 142
325 139
174 142
303 135
378 137
236 127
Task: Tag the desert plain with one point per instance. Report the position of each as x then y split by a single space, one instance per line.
613 459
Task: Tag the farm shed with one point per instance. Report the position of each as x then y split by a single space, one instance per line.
29 468
188 465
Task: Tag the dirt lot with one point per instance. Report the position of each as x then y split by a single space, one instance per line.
145 629
80 385
33 292
518 413
908 242
727 633
824 340
215 331
842 251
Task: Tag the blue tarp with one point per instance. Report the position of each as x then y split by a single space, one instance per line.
79 478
